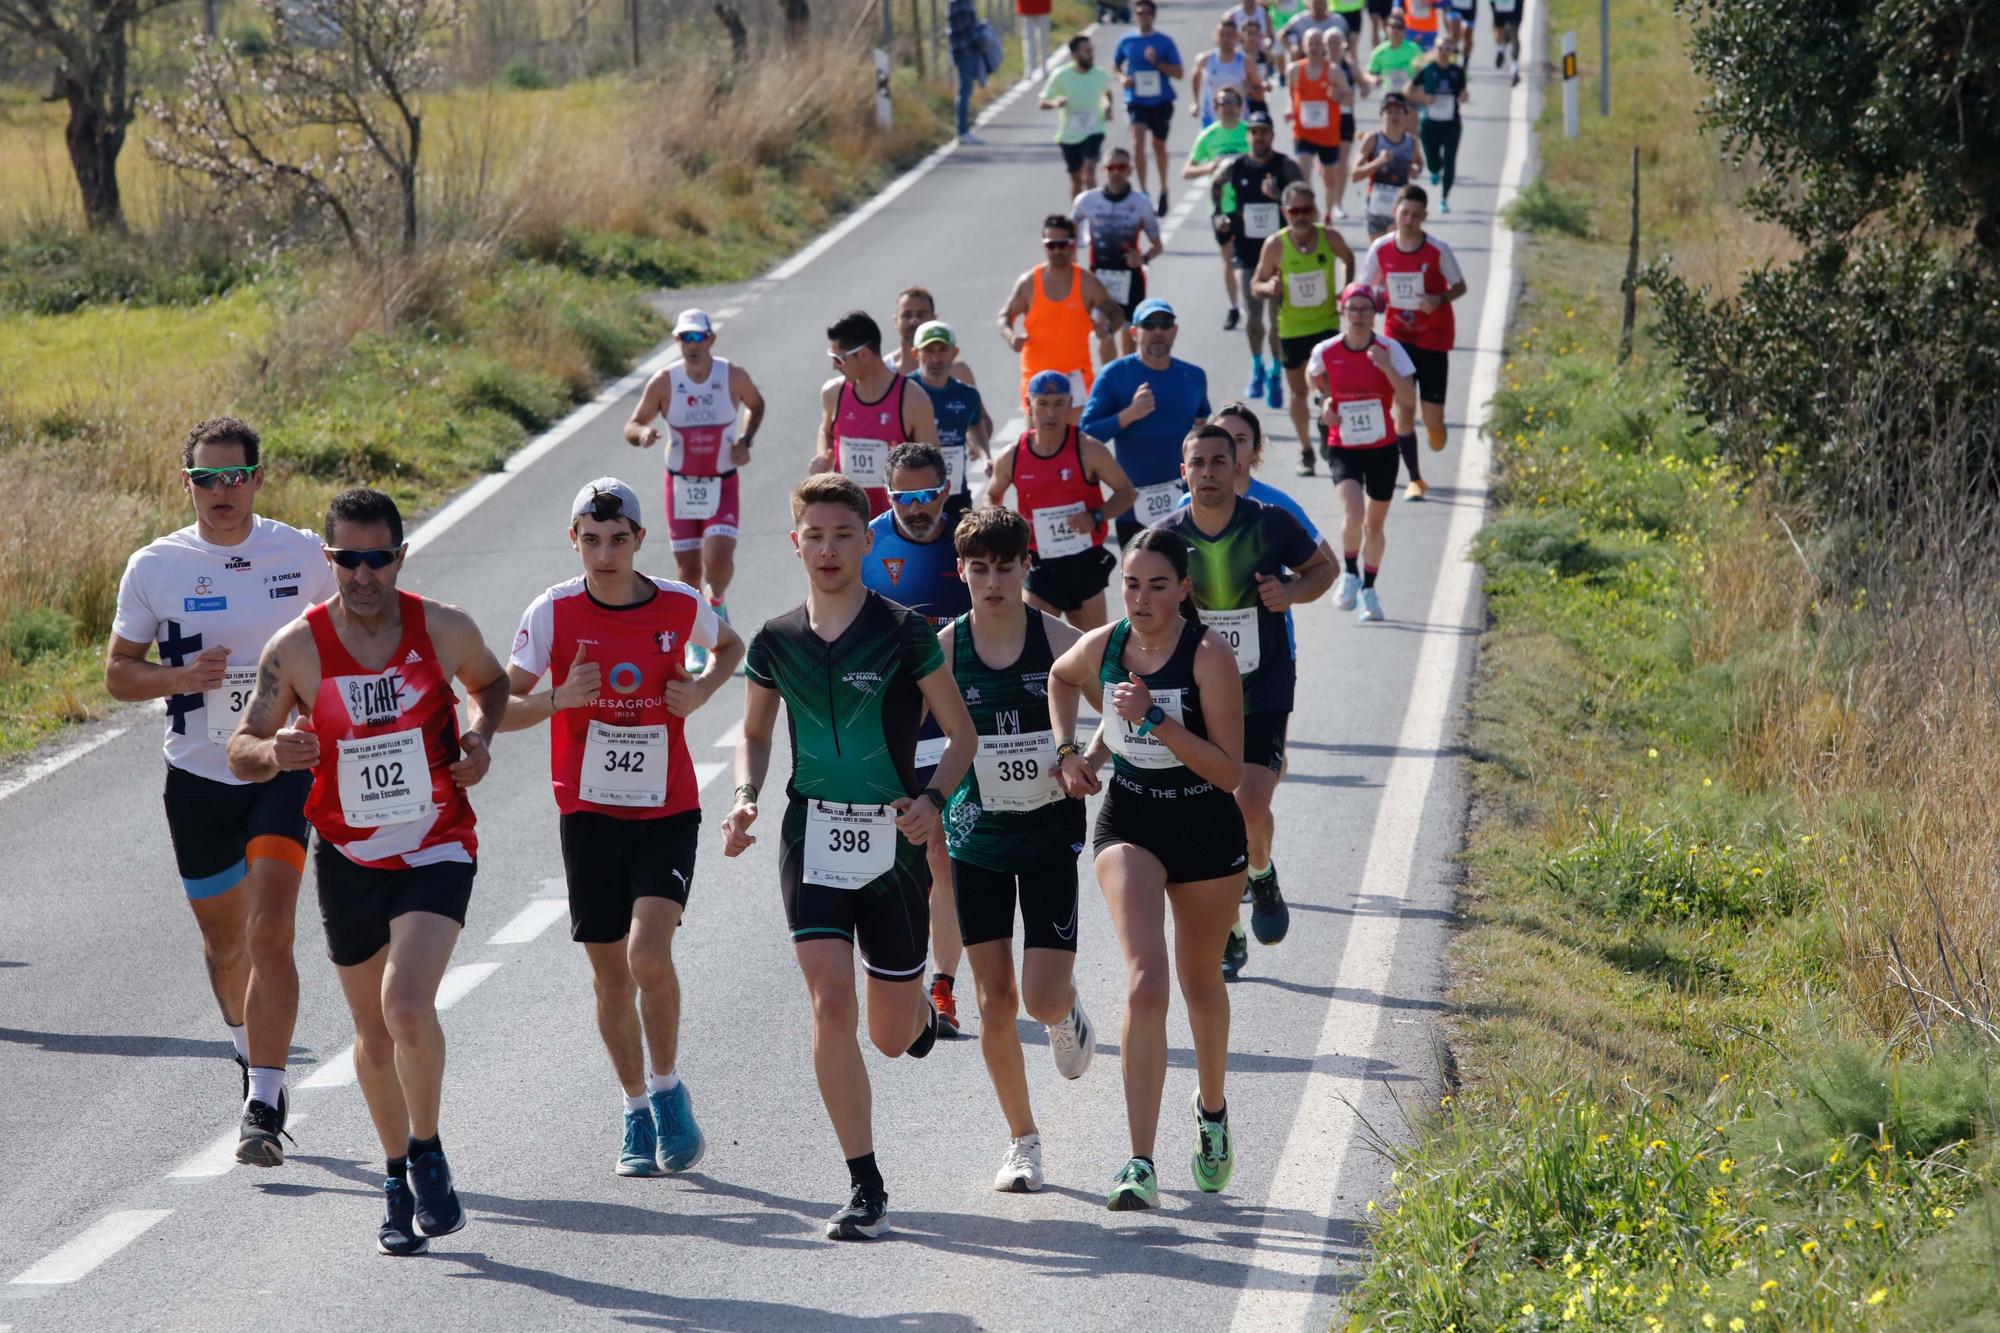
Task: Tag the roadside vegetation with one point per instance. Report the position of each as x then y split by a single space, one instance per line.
1723 1050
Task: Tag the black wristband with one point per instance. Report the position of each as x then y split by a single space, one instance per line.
937 797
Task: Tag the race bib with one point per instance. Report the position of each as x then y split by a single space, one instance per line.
1362 423
865 462
1239 630
1117 283
1506 6
1382 199
1306 289
1314 115
1443 106
624 765
1146 83
1259 220
384 779
929 750
1143 751
225 703
1017 772
954 468
697 497
848 847
1156 502
1054 537
1406 291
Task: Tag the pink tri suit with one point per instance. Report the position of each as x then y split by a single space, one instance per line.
701 484
863 435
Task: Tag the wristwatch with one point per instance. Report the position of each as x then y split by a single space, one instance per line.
1097 517
1154 717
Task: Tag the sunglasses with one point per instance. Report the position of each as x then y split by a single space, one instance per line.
1058 245
684 339
1302 211
1115 166
840 358
1158 322
922 497
208 478
379 558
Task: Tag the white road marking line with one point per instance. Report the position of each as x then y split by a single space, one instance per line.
335 1073
729 739
1323 1129
530 922
69 754
458 982
729 312
555 888
102 1239
218 1157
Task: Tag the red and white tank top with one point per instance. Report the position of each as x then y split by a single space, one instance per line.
382 793
624 755
863 435
1363 399
1051 489
1409 276
701 422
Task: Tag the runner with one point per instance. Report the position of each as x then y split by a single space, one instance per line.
1115 219
1461 21
1255 183
1143 407
1381 14
1168 835
911 562
916 307
1370 402
1034 17
1149 62
210 594
866 409
1387 158
1507 18
1059 474
1350 12
1214 148
1082 92
701 396
1391 62
1249 564
1439 89
1422 277
370 675
1014 835
1223 65
1254 35
855 671
965 430
1423 20
1319 90
1339 53
1318 17
1061 305
1296 271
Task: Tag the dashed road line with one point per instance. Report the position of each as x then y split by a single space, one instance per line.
530 921
102 1239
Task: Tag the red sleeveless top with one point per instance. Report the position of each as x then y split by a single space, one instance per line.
1053 482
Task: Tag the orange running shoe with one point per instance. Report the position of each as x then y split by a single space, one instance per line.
946 1006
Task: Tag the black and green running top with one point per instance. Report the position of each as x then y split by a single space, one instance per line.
1146 760
852 705
1009 701
1257 539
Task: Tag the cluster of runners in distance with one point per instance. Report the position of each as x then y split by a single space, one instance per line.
956 622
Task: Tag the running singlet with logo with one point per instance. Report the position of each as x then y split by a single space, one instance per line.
1257 539
1059 335
1050 490
383 794
920 575
1389 180
1010 810
701 422
1144 762
851 706
958 408
1257 187
1312 303
623 755
1363 399
863 435
1263 492
185 594
1409 276
1111 230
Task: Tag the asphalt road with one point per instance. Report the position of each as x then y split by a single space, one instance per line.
117 1203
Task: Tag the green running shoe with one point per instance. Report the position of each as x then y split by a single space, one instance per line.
1137 1187
1235 952
1214 1159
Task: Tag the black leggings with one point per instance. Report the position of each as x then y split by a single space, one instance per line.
1440 139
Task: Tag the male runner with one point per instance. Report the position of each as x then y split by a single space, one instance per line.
1320 91
629 807
370 675
1014 835
916 307
1255 182
1318 17
855 671
1225 65
1507 19
1143 407
1215 147
213 592
1149 62
1082 92
1249 564
1391 62
1061 305
1296 271
965 429
1120 235
1422 277
1058 473
701 397
911 562
866 409
1387 158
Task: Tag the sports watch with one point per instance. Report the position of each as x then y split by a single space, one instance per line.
1154 717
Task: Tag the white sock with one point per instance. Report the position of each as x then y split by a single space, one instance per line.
266 1084
239 1036
663 1082
638 1103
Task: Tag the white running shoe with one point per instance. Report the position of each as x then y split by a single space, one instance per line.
1339 213
1371 606
1073 1042
970 138
1021 1169
1345 591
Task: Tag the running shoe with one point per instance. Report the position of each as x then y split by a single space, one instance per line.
1500 58
946 1005
1255 389
1163 203
1515 82
642 1145
1445 203
681 1144
1136 1187
1345 591
1073 1042
1232 321
1339 213
1269 917
1021 1169
1277 388
926 1039
398 1234
257 1142
1214 1160
438 1211
697 659
1306 463
1371 605
971 140
1235 952
865 1217
1419 488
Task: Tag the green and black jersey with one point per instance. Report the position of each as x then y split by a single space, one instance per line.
1257 539
852 705
1008 703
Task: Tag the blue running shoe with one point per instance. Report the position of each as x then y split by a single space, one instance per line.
1255 389
642 1145
681 1144
397 1234
1276 385
438 1211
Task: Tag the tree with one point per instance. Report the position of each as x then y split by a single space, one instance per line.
329 117
90 42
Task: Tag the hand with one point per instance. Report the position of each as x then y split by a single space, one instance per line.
739 452
1081 523
579 688
648 437
1431 302
1128 81
475 761
1142 404
820 463
683 693
1275 594
1016 339
205 672
1150 52
295 749
917 819
1130 698
1378 356
1270 187
736 836
1058 102
1195 110
1074 776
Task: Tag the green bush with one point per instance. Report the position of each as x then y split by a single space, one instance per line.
1554 540
497 385
523 75
1662 873
37 632
1540 207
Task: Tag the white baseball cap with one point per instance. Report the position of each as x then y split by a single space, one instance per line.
694 321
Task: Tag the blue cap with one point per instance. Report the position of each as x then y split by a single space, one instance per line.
1151 306
1049 381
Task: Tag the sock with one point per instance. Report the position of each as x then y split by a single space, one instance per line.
418 1147
1236 929
239 1037
926 1039
1026 1140
863 1171
666 1082
638 1103
1215 1117
1352 560
399 1168
1406 445
1368 573
1260 872
1149 1164
945 977
265 1084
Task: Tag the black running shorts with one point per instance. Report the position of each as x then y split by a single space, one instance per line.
1375 469
1082 151
1156 119
611 862
1433 372
1069 581
888 919
1264 739
1046 892
1196 836
357 902
219 828
1295 352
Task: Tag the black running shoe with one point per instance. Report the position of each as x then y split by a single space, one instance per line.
438 1212
1269 916
1233 320
258 1142
1163 203
926 1039
1235 953
865 1217
398 1234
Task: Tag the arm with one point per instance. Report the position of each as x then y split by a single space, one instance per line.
1194 90
752 403
683 694
1002 479
1309 583
263 746
921 823
1017 306
129 677
1341 251
1265 281
485 688
919 417
640 431
829 407
1099 464
1105 313
962 372
753 762
1072 676
1102 418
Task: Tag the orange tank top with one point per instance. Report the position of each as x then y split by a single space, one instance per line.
1315 113
1426 21
1059 334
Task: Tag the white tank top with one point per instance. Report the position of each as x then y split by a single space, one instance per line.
701 422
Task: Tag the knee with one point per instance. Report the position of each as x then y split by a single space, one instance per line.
408 1014
1146 994
617 989
374 1048
834 1009
999 1000
225 946
892 1028
1205 989
653 970
721 567
1047 1001
271 938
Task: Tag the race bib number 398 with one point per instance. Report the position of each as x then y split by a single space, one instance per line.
847 847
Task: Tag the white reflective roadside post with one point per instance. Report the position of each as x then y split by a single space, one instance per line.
882 112
1571 116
